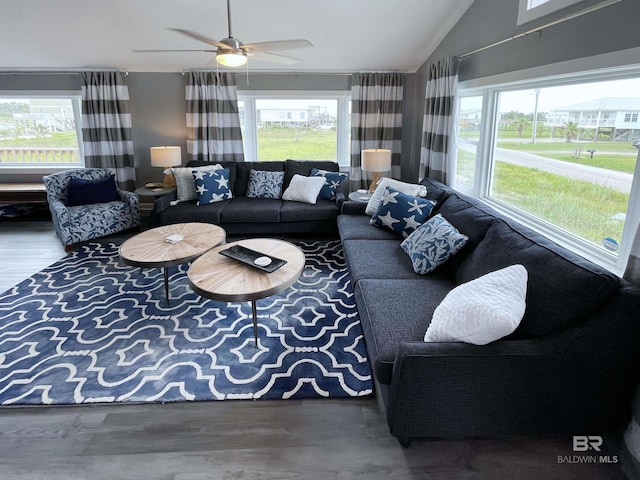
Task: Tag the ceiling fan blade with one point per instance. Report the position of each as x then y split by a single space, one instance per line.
155 51
278 45
200 37
272 57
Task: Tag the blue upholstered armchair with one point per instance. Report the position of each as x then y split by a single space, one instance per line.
93 208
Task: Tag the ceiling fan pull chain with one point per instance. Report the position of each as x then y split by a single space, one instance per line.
247 69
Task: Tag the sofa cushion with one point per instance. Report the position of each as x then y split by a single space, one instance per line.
359 227
381 259
393 312
304 167
303 189
212 187
401 213
483 310
244 209
562 285
189 211
265 184
333 180
436 191
432 244
82 191
306 212
471 217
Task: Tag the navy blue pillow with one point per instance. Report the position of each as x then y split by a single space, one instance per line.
85 192
401 213
212 186
332 181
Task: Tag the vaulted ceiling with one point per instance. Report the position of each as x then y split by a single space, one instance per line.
348 35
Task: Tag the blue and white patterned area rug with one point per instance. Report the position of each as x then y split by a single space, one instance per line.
90 329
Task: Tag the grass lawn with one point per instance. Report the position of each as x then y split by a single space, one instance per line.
577 206
55 140
617 156
298 143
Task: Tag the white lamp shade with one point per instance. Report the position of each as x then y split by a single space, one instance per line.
166 156
231 59
375 160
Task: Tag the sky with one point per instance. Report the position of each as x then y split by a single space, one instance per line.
554 98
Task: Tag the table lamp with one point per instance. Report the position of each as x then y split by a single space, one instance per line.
375 160
166 157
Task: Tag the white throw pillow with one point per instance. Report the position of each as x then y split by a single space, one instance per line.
482 310
185 182
402 187
304 189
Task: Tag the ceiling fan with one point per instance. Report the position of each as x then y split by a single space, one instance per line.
231 52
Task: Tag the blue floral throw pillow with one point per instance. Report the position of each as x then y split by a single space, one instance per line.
331 183
263 184
212 186
432 244
400 212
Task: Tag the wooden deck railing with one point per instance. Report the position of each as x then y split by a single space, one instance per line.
39 155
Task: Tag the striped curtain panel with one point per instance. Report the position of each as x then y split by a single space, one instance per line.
376 121
106 125
438 148
632 272
213 121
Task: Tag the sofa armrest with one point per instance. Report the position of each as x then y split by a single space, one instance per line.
161 203
580 378
350 207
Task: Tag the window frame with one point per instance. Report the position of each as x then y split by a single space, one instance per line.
490 88
45 168
526 14
343 120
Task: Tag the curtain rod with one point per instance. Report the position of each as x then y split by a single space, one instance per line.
547 25
58 72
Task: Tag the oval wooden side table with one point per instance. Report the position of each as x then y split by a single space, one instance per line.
220 278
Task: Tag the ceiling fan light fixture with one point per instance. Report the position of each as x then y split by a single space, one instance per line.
231 58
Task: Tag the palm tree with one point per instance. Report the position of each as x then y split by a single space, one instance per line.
521 123
570 131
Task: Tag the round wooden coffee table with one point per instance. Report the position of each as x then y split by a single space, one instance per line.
150 248
220 278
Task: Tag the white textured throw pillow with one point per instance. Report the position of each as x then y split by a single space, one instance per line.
482 310
402 187
303 189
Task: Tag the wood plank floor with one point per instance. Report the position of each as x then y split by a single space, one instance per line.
342 439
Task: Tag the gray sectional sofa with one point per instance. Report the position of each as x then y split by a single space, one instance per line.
258 216
570 367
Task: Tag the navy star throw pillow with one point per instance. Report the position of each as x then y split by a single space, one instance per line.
212 186
332 181
400 212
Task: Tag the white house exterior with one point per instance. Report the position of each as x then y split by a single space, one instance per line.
616 118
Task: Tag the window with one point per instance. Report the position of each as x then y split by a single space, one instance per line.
631 117
468 136
560 157
282 125
40 131
529 10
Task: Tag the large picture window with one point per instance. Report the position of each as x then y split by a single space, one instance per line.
560 157
280 126
40 131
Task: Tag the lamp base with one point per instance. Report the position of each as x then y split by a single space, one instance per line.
169 180
374 181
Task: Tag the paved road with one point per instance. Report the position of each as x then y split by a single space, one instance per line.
617 180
